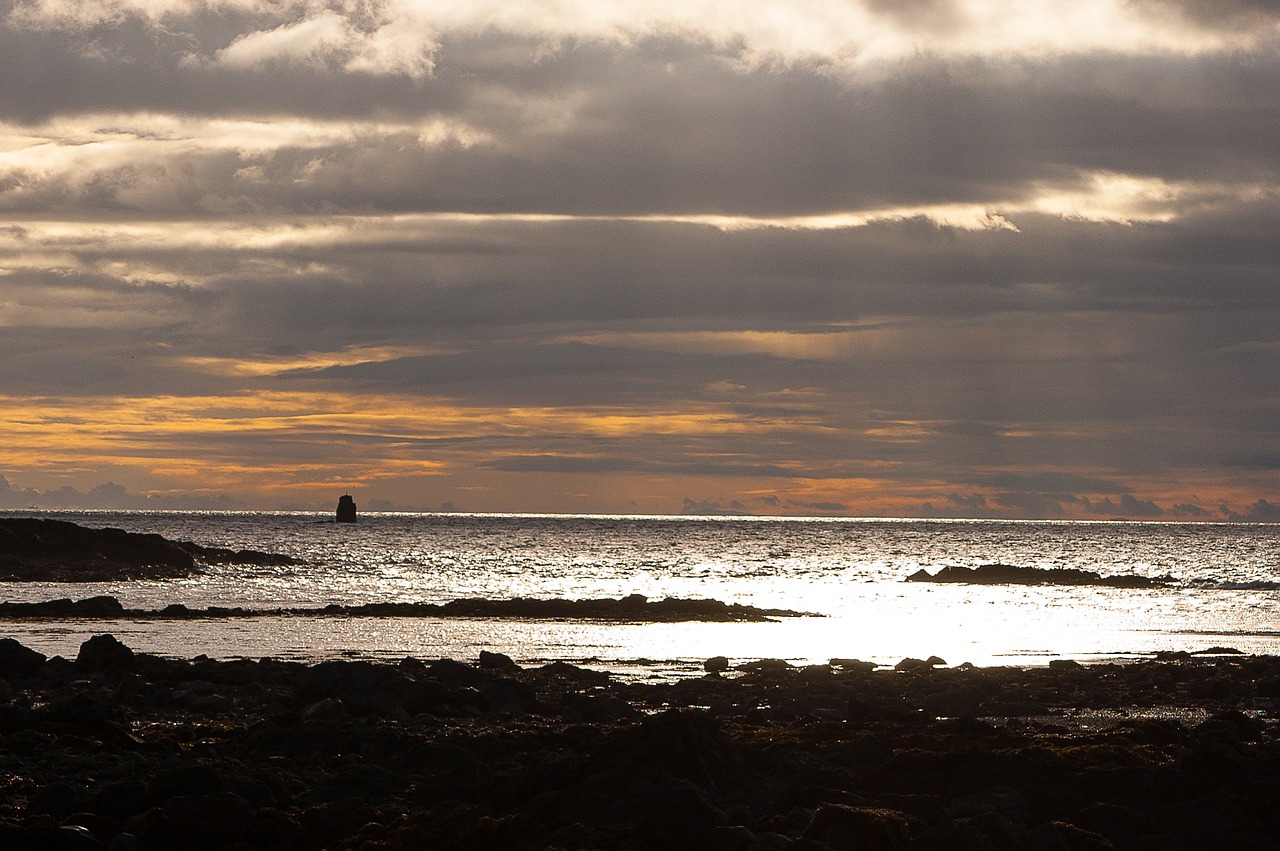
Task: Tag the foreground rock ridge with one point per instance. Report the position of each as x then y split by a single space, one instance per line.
42 550
127 751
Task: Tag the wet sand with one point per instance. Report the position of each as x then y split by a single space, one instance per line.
130 751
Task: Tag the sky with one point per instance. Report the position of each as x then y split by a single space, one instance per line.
896 258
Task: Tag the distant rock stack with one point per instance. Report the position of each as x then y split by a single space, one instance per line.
346 509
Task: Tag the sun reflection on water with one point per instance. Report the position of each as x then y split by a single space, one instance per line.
850 572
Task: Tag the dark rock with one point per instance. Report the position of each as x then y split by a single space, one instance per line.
41 550
456 673
346 512
758 665
589 708
956 835
151 827
56 799
874 708
910 664
207 821
271 828
102 827
514 697
74 837
682 744
952 702
329 709
1118 823
88 710
126 842
491 661
103 653
844 828
102 606
359 685
17 660
678 815
1008 574
716 664
572 673
184 780
853 665
121 799
1062 836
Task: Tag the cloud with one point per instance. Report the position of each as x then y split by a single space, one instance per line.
328 38
712 508
110 495
1127 506
1033 506
1187 510
1261 511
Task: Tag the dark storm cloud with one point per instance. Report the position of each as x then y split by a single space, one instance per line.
660 127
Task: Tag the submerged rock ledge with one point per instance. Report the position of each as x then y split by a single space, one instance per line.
635 607
41 550
134 752
1009 574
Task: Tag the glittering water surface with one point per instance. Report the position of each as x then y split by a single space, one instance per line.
1226 579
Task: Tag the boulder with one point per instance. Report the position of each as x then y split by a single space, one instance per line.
207 821
104 653
840 827
491 661
17 660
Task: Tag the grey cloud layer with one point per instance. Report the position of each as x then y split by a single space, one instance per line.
630 134
1128 335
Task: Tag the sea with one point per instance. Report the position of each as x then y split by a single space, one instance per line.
848 575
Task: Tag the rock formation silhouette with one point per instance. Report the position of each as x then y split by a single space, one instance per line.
346 509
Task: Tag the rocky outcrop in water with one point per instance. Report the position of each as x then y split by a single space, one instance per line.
42 550
1008 574
346 509
132 752
633 608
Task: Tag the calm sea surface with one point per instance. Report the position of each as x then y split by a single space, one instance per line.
850 572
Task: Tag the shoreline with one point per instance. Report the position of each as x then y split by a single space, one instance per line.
149 752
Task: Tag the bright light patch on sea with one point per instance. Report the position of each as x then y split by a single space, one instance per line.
850 573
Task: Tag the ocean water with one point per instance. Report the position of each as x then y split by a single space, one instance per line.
847 572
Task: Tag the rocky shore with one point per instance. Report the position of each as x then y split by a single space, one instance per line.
1012 574
40 550
632 608
127 751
